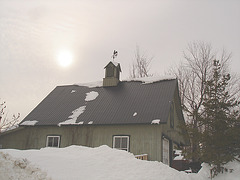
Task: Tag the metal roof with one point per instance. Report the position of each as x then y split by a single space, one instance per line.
128 103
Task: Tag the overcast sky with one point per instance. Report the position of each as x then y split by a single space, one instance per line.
34 33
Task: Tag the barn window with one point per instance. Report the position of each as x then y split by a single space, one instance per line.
121 142
53 141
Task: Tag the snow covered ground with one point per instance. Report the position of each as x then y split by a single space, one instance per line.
78 162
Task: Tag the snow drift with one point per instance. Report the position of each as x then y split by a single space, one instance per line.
78 162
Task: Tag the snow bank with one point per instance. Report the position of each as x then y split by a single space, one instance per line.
78 162
19 168
232 174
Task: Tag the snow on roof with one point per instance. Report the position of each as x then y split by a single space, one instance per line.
9 128
115 63
77 112
74 116
144 80
29 123
73 91
156 121
91 96
91 84
149 80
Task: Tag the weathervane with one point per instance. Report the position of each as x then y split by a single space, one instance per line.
115 53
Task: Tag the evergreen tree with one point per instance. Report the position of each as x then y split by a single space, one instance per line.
220 123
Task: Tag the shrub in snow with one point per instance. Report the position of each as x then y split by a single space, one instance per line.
22 163
19 168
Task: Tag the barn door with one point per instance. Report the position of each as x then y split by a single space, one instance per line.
165 152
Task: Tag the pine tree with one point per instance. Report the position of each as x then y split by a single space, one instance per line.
220 128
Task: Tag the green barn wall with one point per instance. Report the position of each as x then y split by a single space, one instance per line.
144 139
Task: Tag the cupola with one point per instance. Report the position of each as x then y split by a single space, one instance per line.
112 74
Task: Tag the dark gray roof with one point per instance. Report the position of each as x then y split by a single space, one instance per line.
113 105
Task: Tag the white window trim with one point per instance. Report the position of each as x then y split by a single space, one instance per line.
53 137
114 137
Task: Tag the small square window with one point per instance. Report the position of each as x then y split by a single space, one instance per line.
121 142
53 141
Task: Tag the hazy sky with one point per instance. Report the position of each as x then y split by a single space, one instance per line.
34 33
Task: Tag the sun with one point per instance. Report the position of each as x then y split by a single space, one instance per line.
65 58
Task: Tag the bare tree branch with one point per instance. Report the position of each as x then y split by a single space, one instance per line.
192 75
5 122
141 65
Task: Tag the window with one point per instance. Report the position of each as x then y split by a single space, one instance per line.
121 142
53 141
110 71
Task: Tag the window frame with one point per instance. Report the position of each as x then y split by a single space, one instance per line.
53 136
122 136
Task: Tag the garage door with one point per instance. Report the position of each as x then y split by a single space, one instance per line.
165 151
